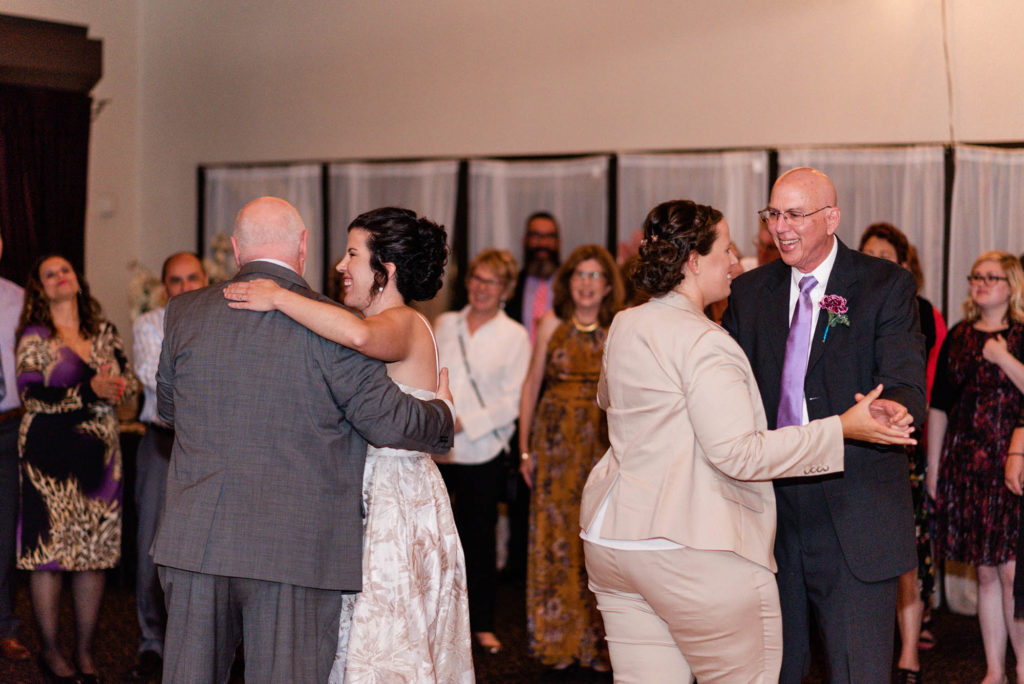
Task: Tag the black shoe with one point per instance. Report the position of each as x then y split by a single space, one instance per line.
148 669
904 676
52 677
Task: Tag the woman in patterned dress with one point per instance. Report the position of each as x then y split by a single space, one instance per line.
411 621
562 435
976 401
72 374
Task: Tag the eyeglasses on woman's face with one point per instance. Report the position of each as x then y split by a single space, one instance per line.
987 279
584 276
487 282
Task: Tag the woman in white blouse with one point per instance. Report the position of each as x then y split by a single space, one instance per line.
487 354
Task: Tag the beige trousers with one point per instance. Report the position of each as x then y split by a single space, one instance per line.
670 616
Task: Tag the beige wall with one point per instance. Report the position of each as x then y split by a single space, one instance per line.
236 80
112 236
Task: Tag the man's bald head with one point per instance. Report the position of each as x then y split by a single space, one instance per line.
183 272
270 228
814 184
807 216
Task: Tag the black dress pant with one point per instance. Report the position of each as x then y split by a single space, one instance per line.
857 618
9 495
475 490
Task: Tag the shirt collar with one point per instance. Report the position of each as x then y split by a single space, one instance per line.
822 272
279 263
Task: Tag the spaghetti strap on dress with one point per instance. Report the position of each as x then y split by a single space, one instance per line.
411 621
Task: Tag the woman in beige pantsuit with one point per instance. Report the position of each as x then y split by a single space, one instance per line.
678 517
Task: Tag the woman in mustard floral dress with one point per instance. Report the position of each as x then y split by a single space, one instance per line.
561 437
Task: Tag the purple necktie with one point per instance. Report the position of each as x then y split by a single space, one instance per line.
794 368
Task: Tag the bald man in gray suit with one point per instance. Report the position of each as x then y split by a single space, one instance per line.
261 535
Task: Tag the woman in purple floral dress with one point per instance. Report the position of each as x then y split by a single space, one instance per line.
976 401
72 374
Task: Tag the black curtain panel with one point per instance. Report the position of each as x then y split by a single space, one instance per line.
44 152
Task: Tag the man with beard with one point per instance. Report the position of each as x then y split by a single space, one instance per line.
533 295
532 298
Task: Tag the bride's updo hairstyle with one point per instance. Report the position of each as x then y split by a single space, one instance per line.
417 247
672 230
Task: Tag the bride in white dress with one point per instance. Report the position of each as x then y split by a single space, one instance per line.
410 623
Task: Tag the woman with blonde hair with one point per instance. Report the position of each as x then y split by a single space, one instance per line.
486 353
976 401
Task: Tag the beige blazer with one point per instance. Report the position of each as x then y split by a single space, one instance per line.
691 459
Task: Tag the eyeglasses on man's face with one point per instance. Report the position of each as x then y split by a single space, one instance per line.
989 279
793 217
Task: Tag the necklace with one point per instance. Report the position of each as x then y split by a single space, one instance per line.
589 327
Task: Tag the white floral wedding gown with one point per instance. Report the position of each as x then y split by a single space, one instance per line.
411 621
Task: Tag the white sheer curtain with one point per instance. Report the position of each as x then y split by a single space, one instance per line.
428 188
503 194
987 212
229 189
735 183
903 186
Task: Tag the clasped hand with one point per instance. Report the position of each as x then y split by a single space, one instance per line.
107 386
995 349
881 421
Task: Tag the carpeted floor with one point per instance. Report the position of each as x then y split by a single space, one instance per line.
956 659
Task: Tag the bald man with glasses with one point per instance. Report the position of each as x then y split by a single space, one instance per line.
844 538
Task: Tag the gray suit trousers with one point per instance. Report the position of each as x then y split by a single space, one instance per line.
151 460
290 632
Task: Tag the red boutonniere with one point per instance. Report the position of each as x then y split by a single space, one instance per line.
837 308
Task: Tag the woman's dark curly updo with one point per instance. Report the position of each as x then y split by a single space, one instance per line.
417 247
672 231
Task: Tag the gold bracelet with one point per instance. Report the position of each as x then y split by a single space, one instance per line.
525 456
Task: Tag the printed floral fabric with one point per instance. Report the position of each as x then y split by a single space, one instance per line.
568 436
71 485
411 621
918 496
976 516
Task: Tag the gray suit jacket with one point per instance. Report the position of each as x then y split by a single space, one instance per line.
271 425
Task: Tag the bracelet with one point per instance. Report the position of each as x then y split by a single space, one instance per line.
1015 453
525 456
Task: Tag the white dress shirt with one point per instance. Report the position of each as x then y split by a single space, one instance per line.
12 299
147 338
821 274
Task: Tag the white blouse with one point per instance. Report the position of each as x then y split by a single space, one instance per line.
498 355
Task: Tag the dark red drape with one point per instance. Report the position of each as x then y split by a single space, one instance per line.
44 153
